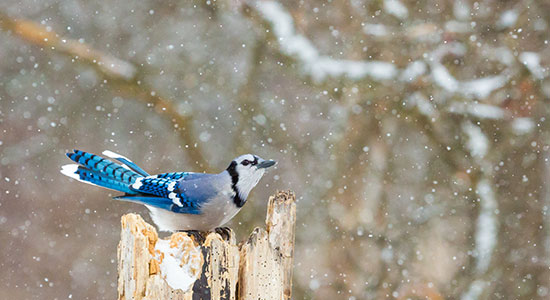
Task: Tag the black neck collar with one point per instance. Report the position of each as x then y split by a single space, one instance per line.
232 170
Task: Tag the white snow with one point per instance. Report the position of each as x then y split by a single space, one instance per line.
523 125
318 66
508 19
396 8
477 144
505 56
461 10
485 111
479 88
413 70
475 290
531 60
180 262
443 78
457 26
117 66
482 87
487 231
375 29
326 66
424 106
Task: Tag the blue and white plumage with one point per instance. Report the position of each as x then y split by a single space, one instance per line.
178 200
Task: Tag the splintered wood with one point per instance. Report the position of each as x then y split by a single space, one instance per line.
207 266
266 258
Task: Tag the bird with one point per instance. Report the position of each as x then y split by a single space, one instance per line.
177 201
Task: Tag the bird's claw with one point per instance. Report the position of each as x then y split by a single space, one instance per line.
195 235
224 232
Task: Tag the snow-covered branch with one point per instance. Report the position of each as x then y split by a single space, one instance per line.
314 64
487 226
319 67
476 88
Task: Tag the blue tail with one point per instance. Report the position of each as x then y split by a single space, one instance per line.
100 171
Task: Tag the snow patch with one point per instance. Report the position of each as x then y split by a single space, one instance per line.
480 88
531 60
523 125
486 111
458 27
443 78
483 87
477 144
413 70
424 105
478 110
486 232
396 8
475 290
461 10
375 29
180 261
508 19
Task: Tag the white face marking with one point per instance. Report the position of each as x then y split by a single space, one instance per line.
244 157
249 174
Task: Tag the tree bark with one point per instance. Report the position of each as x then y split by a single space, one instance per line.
214 266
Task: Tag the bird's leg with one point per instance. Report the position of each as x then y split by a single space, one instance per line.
224 232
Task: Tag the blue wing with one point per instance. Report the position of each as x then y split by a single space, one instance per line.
169 191
183 175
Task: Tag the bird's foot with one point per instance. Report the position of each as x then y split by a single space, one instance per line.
224 232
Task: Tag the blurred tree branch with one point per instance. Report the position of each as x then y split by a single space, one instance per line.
122 76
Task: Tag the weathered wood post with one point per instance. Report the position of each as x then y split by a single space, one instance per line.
207 265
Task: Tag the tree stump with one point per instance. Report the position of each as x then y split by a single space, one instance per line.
206 265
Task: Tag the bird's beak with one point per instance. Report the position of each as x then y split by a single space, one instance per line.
266 164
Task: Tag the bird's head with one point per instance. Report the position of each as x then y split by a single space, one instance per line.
246 170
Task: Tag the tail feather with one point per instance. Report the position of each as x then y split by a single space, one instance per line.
99 171
85 175
126 162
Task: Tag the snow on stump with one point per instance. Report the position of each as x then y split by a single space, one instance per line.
206 265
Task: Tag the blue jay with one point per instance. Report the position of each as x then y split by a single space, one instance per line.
179 200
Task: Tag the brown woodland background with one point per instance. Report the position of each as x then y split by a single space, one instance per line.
415 134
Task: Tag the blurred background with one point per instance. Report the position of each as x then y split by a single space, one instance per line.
414 133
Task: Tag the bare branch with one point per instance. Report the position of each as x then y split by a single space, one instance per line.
122 76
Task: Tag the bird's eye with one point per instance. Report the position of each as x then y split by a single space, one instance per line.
245 162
